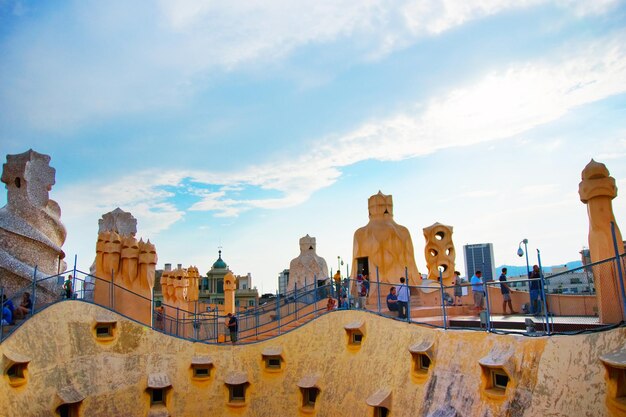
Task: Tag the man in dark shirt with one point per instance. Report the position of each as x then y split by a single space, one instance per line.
232 327
392 300
534 288
506 292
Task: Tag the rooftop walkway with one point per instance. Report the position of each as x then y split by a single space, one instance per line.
287 312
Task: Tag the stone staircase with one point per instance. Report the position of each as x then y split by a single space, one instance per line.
277 331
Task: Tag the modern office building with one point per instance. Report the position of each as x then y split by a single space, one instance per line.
479 257
283 279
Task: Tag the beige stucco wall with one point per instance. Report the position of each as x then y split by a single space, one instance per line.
558 376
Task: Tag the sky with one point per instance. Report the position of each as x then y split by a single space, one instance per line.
247 125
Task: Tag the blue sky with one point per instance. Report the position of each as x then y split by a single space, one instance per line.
248 125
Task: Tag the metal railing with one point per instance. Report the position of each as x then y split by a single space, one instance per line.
547 310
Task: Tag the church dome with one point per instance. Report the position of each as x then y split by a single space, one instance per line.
220 264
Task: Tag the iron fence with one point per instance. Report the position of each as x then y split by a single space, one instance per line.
551 308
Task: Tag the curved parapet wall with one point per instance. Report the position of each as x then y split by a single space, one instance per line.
362 361
31 232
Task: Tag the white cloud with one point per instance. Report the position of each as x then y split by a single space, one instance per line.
611 155
141 194
539 190
58 79
423 16
583 8
501 105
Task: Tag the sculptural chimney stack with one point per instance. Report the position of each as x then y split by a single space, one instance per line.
596 190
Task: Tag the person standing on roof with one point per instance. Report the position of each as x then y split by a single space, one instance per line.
403 299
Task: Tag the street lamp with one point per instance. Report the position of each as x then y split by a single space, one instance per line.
520 253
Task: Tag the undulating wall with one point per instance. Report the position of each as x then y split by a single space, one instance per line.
557 376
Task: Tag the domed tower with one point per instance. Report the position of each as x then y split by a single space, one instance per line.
215 276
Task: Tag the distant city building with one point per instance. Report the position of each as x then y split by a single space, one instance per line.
585 255
479 257
283 279
211 286
561 280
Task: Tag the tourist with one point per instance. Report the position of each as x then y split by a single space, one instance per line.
534 288
458 290
366 283
365 291
160 314
25 306
392 300
9 304
478 291
337 279
359 290
233 327
7 317
330 305
506 292
67 287
345 301
403 299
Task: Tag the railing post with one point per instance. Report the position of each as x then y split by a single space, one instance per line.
74 277
620 273
34 291
177 318
543 294
196 323
443 303
295 297
278 310
315 290
378 288
408 296
111 290
1 304
256 321
215 326
488 318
